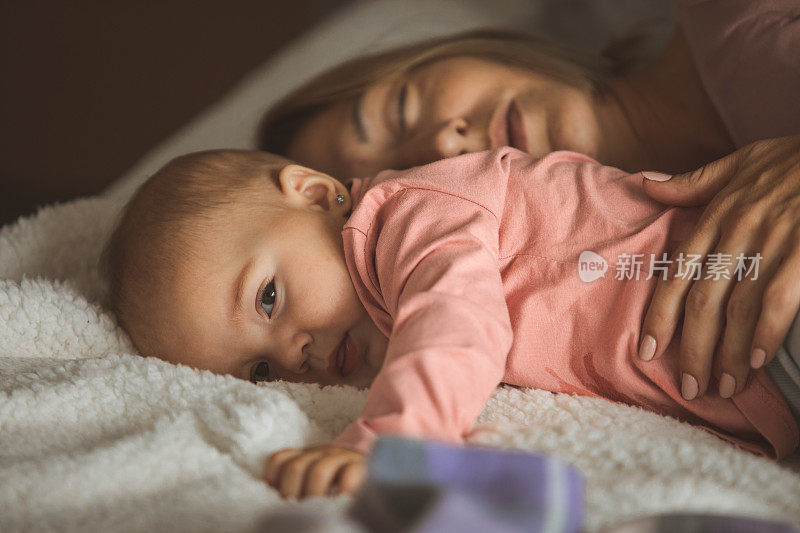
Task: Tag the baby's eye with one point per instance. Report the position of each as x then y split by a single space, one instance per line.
260 372
268 297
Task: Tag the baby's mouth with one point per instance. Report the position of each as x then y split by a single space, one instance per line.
336 359
350 359
344 359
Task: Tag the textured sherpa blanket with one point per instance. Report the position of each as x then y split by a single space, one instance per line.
95 437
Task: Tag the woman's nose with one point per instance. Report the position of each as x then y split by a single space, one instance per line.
441 140
456 137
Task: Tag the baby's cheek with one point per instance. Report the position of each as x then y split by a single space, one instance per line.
342 297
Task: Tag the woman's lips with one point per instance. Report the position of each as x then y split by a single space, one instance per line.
498 127
517 136
507 128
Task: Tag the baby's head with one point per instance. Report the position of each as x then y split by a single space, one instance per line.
232 261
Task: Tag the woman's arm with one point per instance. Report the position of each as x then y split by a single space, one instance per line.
731 326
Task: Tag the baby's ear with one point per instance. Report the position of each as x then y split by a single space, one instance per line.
305 187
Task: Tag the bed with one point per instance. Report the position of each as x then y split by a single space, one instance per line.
95 437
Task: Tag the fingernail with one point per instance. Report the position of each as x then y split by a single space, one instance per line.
688 387
757 358
727 385
647 349
656 176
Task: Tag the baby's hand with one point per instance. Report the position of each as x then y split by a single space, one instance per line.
316 471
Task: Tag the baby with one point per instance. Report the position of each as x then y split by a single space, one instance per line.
431 286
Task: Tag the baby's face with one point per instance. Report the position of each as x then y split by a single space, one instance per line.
270 296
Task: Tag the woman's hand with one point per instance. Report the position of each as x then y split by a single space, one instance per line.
315 471
731 326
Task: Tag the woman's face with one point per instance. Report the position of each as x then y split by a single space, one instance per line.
443 109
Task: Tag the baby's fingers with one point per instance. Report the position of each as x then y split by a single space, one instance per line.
275 463
322 475
293 474
343 470
352 476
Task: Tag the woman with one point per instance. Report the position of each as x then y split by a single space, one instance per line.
718 107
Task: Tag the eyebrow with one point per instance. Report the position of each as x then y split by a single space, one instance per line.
358 122
239 285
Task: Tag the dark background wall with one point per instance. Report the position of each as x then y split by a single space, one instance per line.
86 87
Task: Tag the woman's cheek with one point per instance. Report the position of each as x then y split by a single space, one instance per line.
577 127
536 120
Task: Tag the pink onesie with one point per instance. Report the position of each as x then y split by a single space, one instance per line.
470 267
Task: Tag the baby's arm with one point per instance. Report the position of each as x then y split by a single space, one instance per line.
437 268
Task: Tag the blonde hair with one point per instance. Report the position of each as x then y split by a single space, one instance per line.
348 80
167 215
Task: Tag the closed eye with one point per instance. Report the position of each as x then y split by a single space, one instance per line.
401 107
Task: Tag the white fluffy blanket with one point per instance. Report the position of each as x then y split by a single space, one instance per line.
94 437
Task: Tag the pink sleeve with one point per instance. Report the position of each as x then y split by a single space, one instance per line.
437 268
748 56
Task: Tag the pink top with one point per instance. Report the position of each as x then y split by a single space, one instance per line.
469 267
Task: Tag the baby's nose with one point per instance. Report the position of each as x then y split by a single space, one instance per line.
296 352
